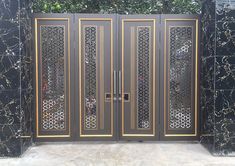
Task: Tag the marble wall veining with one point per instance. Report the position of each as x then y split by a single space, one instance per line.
218 76
15 77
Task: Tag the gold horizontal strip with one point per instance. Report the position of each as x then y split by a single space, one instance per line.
135 20
138 135
95 19
180 135
207 134
51 18
178 19
96 135
101 81
133 77
180 26
25 136
53 136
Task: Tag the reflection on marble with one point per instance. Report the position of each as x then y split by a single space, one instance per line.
119 154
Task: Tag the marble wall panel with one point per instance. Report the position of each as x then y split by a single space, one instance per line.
225 72
9 72
208 9
225 38
15 77
10 145
222 141
225 10
207 73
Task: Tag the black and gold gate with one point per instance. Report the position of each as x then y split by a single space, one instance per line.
95 56
116 77
138 70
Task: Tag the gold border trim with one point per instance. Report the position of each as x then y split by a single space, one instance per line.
80 72
133 76
196 81
25 136
154 56
101 83
37 99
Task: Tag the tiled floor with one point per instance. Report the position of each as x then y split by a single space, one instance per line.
118 154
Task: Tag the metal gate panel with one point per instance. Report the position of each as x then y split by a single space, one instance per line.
110 77
138 77
52 48
180 78
96 46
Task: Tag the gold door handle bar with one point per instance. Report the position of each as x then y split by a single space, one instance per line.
115 83
120 84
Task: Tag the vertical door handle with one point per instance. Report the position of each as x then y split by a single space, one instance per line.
115 82
108 96
120 84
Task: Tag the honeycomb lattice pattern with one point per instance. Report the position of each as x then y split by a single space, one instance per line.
53 102
143 76
90 77
180 116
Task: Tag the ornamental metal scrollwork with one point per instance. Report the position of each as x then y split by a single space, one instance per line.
52 85
143 77
181 51
90 37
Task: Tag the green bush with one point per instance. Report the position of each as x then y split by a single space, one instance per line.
117 6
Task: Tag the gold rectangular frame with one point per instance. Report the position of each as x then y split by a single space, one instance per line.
154 54
37 79
80 72
196 81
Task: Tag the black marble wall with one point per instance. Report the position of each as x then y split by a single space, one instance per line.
15 77
218 76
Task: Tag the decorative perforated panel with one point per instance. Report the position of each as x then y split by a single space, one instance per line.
90 38
52 85
180 78
143 77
